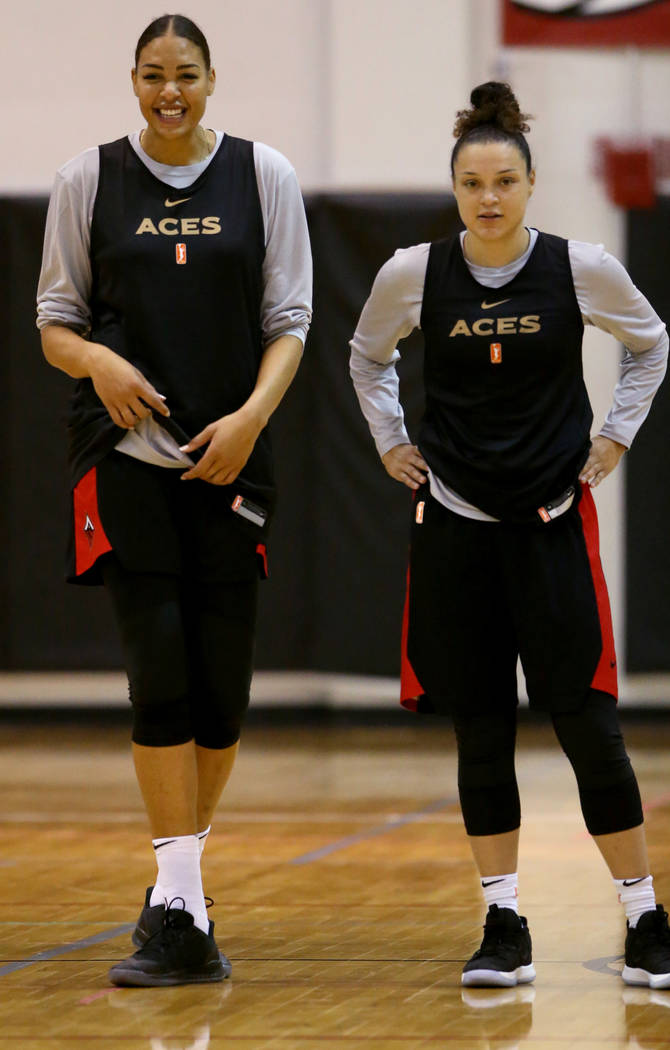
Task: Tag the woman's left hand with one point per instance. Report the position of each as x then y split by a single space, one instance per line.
230 441
603 458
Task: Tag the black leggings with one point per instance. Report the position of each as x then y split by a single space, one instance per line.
188 649
592 740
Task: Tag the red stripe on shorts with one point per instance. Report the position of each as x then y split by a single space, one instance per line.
410 688
605 678
90 540
262 552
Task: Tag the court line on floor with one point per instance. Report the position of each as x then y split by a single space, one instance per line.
64 949
253 817
371 833
305 858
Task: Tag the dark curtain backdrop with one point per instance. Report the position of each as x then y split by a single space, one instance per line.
648 467
337 552
338 548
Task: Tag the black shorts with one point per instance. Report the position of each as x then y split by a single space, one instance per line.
480 594
155 522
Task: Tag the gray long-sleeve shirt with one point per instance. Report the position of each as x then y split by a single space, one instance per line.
607 299
65 279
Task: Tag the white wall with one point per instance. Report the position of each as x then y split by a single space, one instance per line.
74 60
359 94
398 74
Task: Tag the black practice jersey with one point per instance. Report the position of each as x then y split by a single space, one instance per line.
177 290
507 416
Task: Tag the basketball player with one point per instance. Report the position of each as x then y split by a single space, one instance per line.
504 543
175 289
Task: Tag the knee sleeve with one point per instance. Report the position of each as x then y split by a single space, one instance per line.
218 714
486 777
216 732
161 724
608 789
150 623
158 686
221 620
188 648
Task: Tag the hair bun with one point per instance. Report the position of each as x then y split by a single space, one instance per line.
493 103
493 92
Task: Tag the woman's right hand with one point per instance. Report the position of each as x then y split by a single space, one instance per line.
123 390
406 464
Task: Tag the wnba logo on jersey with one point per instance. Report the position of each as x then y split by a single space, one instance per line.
180 254
496 352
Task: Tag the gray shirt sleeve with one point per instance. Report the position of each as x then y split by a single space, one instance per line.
65 279
64 286
286 308
609 300
391 313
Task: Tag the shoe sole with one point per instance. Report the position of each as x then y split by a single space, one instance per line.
634 975
136 979
498 978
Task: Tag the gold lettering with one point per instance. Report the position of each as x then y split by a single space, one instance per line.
173 226
460 328
146 226
211 224
168 226
478 326
503 326
506 325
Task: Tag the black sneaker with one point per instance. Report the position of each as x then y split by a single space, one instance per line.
178 953
149 922
647 958
505 956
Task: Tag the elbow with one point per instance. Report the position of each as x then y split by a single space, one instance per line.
47 338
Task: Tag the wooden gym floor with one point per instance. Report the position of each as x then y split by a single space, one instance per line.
345 897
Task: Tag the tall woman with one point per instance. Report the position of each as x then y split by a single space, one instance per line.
175 289
504 544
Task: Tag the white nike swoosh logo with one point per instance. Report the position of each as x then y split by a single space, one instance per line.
171 204
485 305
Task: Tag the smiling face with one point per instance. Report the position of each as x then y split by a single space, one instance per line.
492 187
172 84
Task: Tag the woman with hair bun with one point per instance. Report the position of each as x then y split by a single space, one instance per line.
504 555
176 290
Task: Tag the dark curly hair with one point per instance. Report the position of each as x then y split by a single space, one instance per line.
494 116
178 25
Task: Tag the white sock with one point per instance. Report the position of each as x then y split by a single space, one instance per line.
179 876
637 896
158 894
202 838
501 890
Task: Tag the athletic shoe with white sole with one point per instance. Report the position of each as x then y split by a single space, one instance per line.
505 956
647 959
178 953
